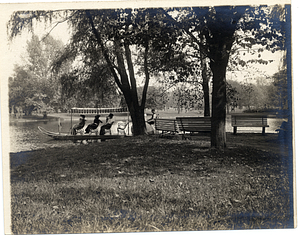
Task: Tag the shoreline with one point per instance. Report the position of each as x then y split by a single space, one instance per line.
36 138
255 140
162 114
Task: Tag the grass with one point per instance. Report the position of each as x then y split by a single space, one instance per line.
150 184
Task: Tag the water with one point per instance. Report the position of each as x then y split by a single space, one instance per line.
25 136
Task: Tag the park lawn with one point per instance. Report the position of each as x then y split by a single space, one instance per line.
150 184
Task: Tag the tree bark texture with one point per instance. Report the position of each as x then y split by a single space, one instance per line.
218 135
130 91
218 62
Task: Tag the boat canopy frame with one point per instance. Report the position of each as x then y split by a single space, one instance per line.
95 111
98 110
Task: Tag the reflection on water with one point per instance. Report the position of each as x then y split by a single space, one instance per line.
25 136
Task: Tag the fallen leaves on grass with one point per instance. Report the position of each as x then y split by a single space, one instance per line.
165 183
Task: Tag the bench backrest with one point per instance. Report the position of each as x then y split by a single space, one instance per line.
249 120
194 124
166 125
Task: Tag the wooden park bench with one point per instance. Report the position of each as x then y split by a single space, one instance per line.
194 125
249 120
166 126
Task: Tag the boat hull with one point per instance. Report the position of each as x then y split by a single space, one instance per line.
63 136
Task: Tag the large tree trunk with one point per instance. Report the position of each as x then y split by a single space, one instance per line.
136 113
129 90
218 133
218 63
136 110
127 84
138 119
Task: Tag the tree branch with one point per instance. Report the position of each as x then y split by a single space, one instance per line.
59 22
104 50
130 67
146 74
202 49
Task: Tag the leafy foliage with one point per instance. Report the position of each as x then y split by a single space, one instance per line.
213 31
187 97
260 96
156 97
108 39
279 93
160 40
34 86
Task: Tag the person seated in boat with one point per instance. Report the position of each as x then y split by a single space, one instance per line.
78 126
93 125
109 121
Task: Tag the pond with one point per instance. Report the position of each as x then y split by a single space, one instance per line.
25 136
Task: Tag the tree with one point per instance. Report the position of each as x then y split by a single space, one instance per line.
280 82
89 87
118 34
214 30
248 91
89 82
33 85
187 96
256 97
156 97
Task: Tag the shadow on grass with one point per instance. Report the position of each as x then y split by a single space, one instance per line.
152 184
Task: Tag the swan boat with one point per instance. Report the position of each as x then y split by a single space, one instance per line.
86 111
65 136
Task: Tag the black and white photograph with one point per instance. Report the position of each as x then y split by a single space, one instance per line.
148 116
